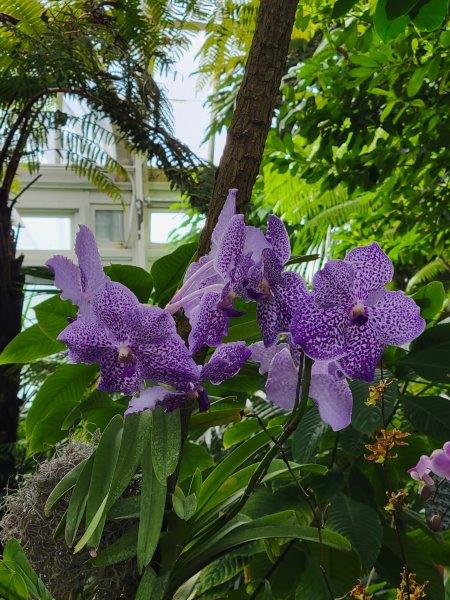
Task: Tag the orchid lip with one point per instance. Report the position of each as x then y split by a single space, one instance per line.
358 314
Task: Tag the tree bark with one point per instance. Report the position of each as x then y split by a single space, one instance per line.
255 102
11 302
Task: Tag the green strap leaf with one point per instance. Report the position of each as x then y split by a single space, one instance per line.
15 558
122 549
92 526
62 487
166 442
77 502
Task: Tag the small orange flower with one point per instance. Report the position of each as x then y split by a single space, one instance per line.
359 592
385 441
409 588
395 501
376 391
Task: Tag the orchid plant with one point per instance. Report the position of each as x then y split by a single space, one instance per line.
295 373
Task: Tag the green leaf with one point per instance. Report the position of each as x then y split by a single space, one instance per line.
63 486
122 549
341 7
397 8
248 332
138 280
363 60
429 415
77 502
358 523
430 298
93 524
166 442
146 585
29 345
167 272
431 15
52 315
125 508
194 457
14 557
153 500
103 472
184 506
239 432
307 435
57 396
298 260
388 29
416 81
429 354
12 585
367 419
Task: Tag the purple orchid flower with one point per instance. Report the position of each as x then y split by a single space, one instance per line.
351 317
211 285
225 362
329 388
421 471
131 342
438 463
79 283
278 293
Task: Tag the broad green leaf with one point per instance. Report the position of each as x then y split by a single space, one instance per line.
29 345
229 465
53 314
15 558
429 415
307 435
63 486
125 508
430 298
341 7
87 409
247 332
416 81
296 260
122 549
167 272
431 15
428 355
239 432
363 60
397 8
146 585
358 523
184 506
57 396
200 422
103 473
386 28
153 500
93 524
12 585
166 442
194 456
77 502
138 280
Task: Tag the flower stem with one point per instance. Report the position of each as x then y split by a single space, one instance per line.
173 307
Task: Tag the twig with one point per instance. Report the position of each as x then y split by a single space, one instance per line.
24 190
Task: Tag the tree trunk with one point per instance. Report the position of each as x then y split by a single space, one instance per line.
255 102
11 302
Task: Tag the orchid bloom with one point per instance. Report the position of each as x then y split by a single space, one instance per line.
438 463
329 388
350 316
79 283
224 363
131 342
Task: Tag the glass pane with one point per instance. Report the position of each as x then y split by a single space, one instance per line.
162 224
45 233
108 226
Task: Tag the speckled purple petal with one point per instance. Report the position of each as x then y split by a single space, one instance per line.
373 269
92 275
225 362
363 352
281 385
267 316
67 278
230 247
117 377
290 296
320 332
118 308
272 267
87 341
333 398
152 325
278 238
227 213
263 355
333 285
397 318
209 324
169 361
146 400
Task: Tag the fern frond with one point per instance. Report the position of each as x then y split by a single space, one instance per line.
431 271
